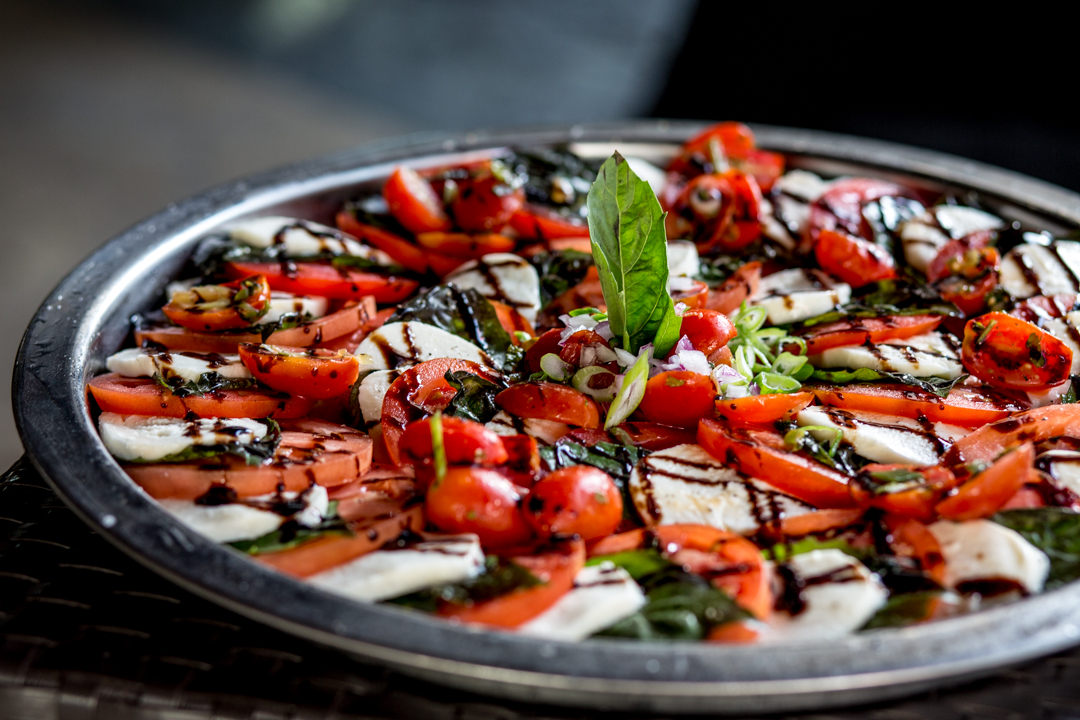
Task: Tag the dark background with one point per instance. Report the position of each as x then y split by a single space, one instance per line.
110 109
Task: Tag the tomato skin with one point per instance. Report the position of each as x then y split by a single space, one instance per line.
737 143
917 502
707 330
512 320
1036 426
442 265
316 373
695 297
464 441
852 259
478 500
742 284
655 436
820 521
910 538
465 246
841 207
143 396
717 211
578 500
576 344
986 493
861 330
1010 353
546 343
539 223
401 250
421 391
965 406
678 397
760 455
480 206
414 203
248 300
762 408
965 273
312 278
550 401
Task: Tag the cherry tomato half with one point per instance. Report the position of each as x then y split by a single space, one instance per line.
414 203
707 330
550 401
1010 353
480 501
678 397
464 441
485 204
578 500
220 307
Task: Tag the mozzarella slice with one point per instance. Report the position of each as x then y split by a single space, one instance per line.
1033 269
545 431
403 344
839 595
283 303
1063 466
189 366
802 185
1056 316
926 355
224 523
983 550
386 574
504 277
602 596
682 259
925 235
792 295
685 484
372 391
297 238
149 438
884 438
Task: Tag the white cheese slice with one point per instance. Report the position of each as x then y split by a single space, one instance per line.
797 294
1063 466
685 484
403 344
149 438
1033 269
801 184
300 238
505 277
224 523
602 595
386 574
839 595
682 259
283 303
924 236
884 438
372 391
545 431
983 550
926 355
189 366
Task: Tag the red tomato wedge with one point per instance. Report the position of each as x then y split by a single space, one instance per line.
760 455
539 223
403 252
550 401
312 373
860 330
762 408
330 551
310 451
852 259
654 436
556 570
1035 426
965 405
1013 354
986 493
484 203
143 396
414 203
344 322
314 278
421 391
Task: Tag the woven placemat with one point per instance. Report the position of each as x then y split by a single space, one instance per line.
88 633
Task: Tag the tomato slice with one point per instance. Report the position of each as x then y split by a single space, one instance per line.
760 455
966 406
820 521
485 203
678 397
550 401
910 538
539 223
220 307
465 246
840 208
464 442
1010 353
330 551
143 396
986 493
556 570
310 451
402 251
852 259
512 320
414 203
763 408
421 391
902 490
736 289
1035 425
339 324
654 436
316 373
315 278
857 331
707 330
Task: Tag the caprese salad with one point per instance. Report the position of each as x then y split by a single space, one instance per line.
573 397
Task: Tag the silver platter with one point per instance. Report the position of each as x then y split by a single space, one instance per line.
87 317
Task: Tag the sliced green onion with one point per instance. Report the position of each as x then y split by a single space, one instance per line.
775 384
788 364
581 378
793 439
554 367
437 448
633 389
583 311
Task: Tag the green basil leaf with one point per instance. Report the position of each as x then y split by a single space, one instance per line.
638 563
904 609
1055 531
291 534
475 399
208 382
629 244
467 314
936 385
559 270
356 262
500 576
287 321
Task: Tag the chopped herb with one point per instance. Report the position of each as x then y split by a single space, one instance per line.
936 385
500 577
291 534
1034 348
1055 531
475 398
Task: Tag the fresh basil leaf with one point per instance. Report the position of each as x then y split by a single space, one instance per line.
1055 531
904 609
936 385
629 244
500 577
887 482
208 382
886 298
291 534
638 563
467 314
475 399
356 262
835 454
287 321
782 551
559 270
1070 395
374 211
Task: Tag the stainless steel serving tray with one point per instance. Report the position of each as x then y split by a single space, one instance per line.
87 317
